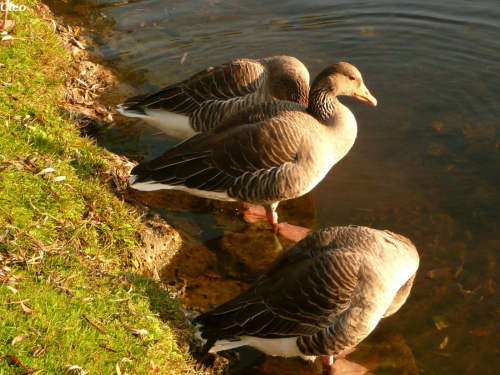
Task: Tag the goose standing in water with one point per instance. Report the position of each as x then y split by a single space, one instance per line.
267 153
321 297
203 101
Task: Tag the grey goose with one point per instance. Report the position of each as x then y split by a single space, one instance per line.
267 153
201 102
321 297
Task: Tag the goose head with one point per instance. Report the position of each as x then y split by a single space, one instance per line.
338 79
342 79
289 79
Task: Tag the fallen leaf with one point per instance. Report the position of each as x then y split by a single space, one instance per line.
26 309
17 339
73 368
59 178
184 58
76 43
444 343
136 331
66 290
13 359
12 289
45 171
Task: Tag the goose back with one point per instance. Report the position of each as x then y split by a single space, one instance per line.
203 101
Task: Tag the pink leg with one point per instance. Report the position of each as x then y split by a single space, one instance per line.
327 361
288 231
253 214
272 218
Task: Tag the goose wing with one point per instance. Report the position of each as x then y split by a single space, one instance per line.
221 83
264 143
305 290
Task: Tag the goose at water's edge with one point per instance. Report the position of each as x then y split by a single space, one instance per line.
265 154
203 101
321 297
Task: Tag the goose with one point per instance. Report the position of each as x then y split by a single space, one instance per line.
201 102
267 153
321 297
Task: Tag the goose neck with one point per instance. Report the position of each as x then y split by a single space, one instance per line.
322 105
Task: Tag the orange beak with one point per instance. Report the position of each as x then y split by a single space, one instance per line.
364 95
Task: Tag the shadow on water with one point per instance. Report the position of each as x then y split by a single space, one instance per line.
425 163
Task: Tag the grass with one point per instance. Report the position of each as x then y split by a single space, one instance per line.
70 297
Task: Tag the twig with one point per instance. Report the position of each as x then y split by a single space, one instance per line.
95 326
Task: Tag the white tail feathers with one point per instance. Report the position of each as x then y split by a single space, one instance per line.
285 347
170 123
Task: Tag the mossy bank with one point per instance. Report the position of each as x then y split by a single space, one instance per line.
74 296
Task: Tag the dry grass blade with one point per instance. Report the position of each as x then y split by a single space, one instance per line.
19 338
38 352
119 363
36 331
135 331
36 241
95 326
106 347
13 303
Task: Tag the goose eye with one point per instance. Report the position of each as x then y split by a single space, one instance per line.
352 78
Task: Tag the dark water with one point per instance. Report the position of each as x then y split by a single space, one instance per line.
425 164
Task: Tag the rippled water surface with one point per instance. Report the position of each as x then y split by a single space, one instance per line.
425 164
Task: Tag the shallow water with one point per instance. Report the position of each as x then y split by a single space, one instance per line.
425 164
